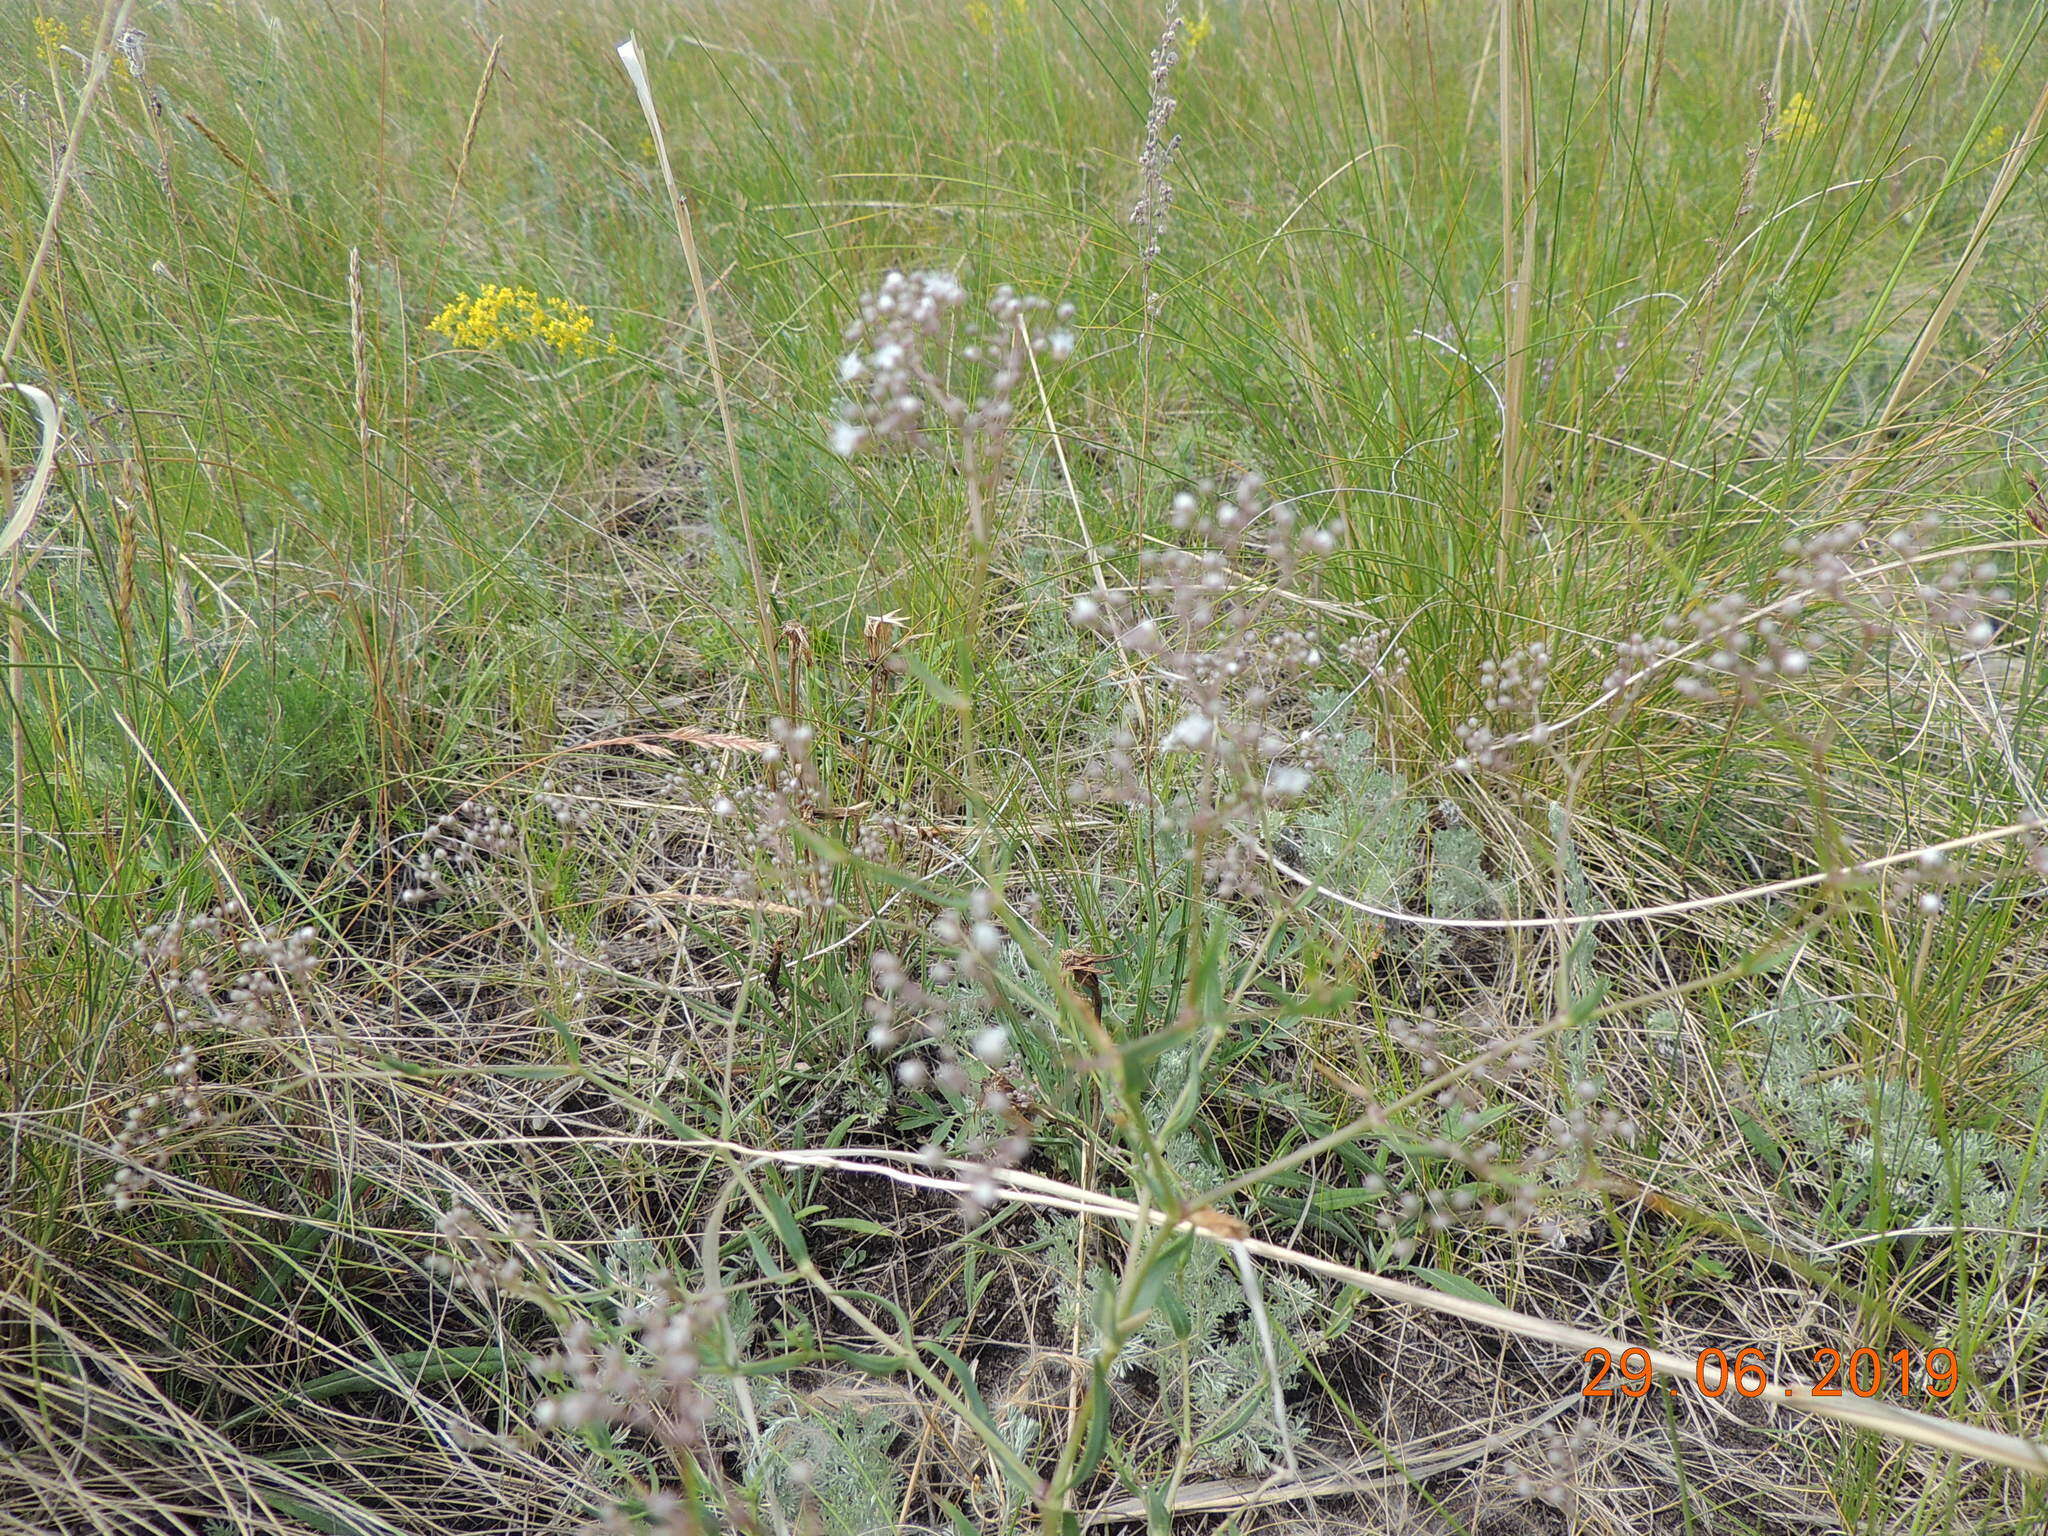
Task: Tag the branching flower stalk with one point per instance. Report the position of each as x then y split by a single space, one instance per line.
1206 636
1155 203
920 365
1518 259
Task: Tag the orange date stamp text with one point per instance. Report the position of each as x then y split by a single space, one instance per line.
1858 1373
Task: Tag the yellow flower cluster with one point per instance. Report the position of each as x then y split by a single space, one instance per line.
51 36
1199 30
982 16
498 315
1797 118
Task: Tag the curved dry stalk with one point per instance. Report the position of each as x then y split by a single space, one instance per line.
31 502
959 1179
15 530
1635 914
2016 157
1879 1418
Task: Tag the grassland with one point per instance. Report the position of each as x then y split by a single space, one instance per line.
676 900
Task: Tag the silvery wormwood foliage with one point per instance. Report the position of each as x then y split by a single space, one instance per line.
1859 1134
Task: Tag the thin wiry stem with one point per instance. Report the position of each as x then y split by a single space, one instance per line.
1518 260
686 233
112 19
1839 876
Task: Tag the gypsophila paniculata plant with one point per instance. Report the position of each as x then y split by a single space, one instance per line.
1548 1469
640 1373
776 863
1832 610
1480 1157
1202 631
217 973
924 363
950 1031
455 846
480 1258
637 1360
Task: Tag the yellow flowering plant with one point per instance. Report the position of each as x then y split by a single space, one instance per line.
498 316
1797 119
982 16
51 36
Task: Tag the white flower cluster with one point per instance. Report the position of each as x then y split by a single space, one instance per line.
775 863
649 1385
191 962
1511 689
1199 627
454 845
920 362
1748 649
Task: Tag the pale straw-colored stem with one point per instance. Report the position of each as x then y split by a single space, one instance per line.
2016 158
686 232
1518 260
112 19
1640 914
1014 1185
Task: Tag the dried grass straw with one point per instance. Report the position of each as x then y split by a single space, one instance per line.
1897 1423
